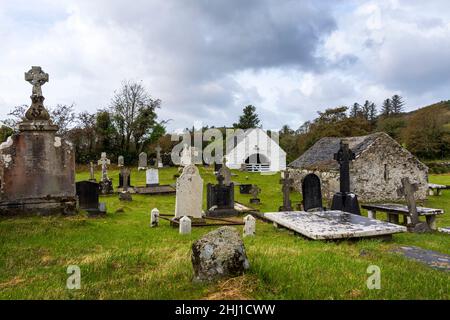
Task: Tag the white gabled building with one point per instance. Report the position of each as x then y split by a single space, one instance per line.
255 150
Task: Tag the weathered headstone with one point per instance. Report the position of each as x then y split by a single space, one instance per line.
154 218
219 254
250 225
185 225
220 199
225 172
345 200
255 191
407 190
312 193
286 183
106 183
245 188
186 156
189 193
125 194
142 161
120 161
88 195
158 156
120 186
91 172
151 177
37 168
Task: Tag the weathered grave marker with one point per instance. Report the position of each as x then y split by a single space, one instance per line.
407 190
159 163
154 218
91 172
189 193
88 195
105 183
185 225
255 191
287 183
142 161
120 161
312 193
250 225
220 199
151 177
125 194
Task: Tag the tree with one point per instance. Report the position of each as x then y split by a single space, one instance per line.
393 126
134 115
249 119
372 112
63 116
355 110
386 109
397 104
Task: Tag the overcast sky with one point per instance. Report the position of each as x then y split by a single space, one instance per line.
207 59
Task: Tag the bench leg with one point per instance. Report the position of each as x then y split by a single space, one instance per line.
431 221
406 219
372 214
438 192
430 192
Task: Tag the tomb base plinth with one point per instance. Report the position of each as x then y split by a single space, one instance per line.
41 207
347 202
222 212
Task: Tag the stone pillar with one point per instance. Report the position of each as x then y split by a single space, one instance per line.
154 218
250 226
185 225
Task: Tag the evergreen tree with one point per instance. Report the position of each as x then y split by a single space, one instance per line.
355 110
386 109
372 112
397 104
249 119
366 109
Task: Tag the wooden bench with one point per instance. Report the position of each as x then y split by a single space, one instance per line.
395 210
435 189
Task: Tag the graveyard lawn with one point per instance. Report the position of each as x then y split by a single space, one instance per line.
121 257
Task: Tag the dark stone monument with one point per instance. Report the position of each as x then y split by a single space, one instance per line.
125 194
220 199
88 193
345 200
37 168
312 193
286 182
106 185
255 191
217 166
245 188
121 180
407 190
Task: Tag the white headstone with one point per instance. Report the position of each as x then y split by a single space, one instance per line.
120 161
186 156
185 225
152 177
154 218
189 194
250 226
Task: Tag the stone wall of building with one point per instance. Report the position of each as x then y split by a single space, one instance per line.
375 175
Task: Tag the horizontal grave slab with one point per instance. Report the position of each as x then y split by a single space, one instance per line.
329 225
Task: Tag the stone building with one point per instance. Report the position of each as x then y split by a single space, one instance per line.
375 173
37 168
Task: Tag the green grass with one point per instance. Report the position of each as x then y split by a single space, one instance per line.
122 258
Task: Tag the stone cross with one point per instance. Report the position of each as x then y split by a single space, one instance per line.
344 156
185 225
158 156
37 78
154 218
250 226
104 161
91 171
407 190
287 183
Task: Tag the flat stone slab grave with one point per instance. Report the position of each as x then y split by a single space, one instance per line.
433 259
332 224
161 189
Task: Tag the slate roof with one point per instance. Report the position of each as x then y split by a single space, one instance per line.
320 155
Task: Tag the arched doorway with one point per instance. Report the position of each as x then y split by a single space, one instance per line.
257 162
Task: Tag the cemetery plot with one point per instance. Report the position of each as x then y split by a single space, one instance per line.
332 224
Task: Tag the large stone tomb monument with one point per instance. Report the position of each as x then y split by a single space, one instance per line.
37 168
345 200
